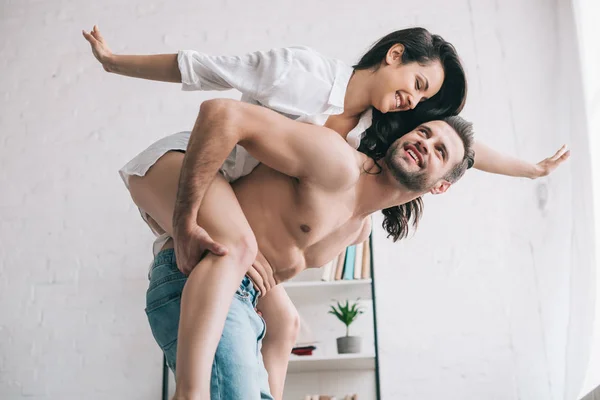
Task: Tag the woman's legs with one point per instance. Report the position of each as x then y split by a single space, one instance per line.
283 324
155 193
209 289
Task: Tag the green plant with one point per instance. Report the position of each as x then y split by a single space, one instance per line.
347 313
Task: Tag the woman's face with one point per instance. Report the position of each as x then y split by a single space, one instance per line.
400 87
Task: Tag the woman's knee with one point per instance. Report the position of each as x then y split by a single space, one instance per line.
293 324
287 329
242 246
137 189
156 191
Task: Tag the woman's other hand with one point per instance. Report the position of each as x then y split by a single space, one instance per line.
99 47
548 165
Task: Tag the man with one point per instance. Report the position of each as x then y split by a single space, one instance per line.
311 197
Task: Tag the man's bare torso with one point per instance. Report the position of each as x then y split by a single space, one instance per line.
297 224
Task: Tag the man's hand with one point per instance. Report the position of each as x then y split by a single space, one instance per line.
191 243
546 166
99 47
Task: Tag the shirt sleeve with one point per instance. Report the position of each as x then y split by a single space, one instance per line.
253 74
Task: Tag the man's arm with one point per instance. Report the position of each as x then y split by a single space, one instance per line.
305 151
296 149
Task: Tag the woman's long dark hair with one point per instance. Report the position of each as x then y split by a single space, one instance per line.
422 47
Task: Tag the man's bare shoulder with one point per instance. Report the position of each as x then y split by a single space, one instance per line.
340 164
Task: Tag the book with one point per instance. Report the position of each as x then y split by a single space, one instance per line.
358 261
304 348
303 351
326 271
334 263
366 264
349 263
339 269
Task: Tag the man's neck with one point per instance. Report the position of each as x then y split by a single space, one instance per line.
377 189
357 99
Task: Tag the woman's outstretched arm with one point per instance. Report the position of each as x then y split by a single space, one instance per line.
490 160
156 67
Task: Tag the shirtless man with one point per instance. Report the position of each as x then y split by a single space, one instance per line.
311 198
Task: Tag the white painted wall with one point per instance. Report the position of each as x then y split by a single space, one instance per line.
494 295
587 15
490 300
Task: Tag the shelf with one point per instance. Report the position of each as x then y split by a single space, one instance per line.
322 291
336 363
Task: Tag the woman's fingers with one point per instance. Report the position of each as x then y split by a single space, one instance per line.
559 153
89 37
96 33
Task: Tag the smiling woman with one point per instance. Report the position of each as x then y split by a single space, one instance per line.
416 66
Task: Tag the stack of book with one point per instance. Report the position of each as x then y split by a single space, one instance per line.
353 263
304 350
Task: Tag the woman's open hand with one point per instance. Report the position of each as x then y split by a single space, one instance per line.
99 47
546 166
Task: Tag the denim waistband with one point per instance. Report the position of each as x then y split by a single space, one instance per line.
248 287
166 256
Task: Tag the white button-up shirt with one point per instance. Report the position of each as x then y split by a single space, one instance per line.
297 82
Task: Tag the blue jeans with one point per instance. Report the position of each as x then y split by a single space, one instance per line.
238 371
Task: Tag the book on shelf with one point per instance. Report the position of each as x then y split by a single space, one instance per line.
303 350
349 263
334 263
352 263
339 269
327 271
358 260
366 261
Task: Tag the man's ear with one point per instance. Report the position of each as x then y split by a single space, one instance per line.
394 54
440 187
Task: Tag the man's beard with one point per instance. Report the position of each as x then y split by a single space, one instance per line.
413 181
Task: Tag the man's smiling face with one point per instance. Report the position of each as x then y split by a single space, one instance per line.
420 159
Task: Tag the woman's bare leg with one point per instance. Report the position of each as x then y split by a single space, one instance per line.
210 287
283 324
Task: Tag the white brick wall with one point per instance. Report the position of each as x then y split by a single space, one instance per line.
479 309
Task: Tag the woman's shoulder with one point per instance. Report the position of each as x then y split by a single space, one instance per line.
310 57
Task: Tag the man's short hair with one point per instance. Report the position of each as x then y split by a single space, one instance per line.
464 129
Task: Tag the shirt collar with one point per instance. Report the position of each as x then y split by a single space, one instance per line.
336 103
355 135
340 84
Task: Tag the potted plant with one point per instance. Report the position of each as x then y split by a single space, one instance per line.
347 313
